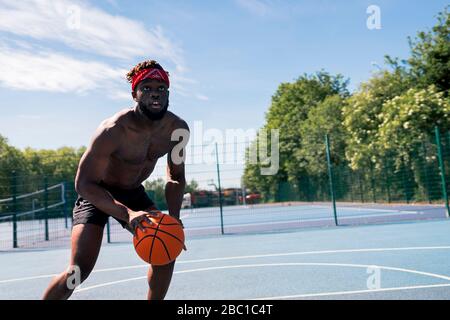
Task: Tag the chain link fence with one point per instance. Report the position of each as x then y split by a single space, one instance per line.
36 211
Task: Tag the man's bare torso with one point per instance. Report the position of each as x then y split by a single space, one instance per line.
139 148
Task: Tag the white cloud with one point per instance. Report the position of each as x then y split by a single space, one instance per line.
28 27
54 72
98 32
34 69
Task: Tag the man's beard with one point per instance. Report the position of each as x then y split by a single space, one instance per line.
153 115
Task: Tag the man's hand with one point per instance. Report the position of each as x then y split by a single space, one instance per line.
137 217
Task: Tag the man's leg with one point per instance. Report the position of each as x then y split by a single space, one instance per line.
159 280
86 243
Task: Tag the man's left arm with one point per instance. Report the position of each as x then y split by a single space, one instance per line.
176 180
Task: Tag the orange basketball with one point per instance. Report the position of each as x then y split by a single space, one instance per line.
161 243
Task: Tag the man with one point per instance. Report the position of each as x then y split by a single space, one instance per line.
122 154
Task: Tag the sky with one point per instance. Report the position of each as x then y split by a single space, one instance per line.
63 63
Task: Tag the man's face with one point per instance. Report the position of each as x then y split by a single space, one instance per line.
152 97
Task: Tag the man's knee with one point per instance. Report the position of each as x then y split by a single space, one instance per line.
76 274
82 265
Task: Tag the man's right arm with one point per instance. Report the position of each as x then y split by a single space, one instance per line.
92 168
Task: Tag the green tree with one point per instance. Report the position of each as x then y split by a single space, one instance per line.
430 55
407 132
60 164
362 110
32 166
288 112
191 186
409 119
11 159
266 185
325 118
156 190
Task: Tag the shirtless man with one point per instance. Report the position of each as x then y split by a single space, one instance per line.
122 154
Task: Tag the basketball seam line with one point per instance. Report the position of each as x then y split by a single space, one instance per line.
169 224
152 235
165 248
156 237
145 237
157 229
153 241
165 232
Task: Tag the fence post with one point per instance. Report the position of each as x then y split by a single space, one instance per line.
372 183
404 180
46 207
330 174
427 178
14 193
388 182
442 169
220 191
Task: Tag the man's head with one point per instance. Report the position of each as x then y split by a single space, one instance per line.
150 88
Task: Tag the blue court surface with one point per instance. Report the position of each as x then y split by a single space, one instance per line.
402 259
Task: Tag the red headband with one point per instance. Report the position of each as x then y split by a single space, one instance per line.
151 73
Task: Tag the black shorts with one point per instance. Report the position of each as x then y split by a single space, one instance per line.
135 199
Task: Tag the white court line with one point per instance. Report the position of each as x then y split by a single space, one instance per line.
300 219
109 284
29 278
366 209
351 265
324 294
428 274
396 212
378 210
315 252
249 257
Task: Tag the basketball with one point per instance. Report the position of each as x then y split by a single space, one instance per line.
161 243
